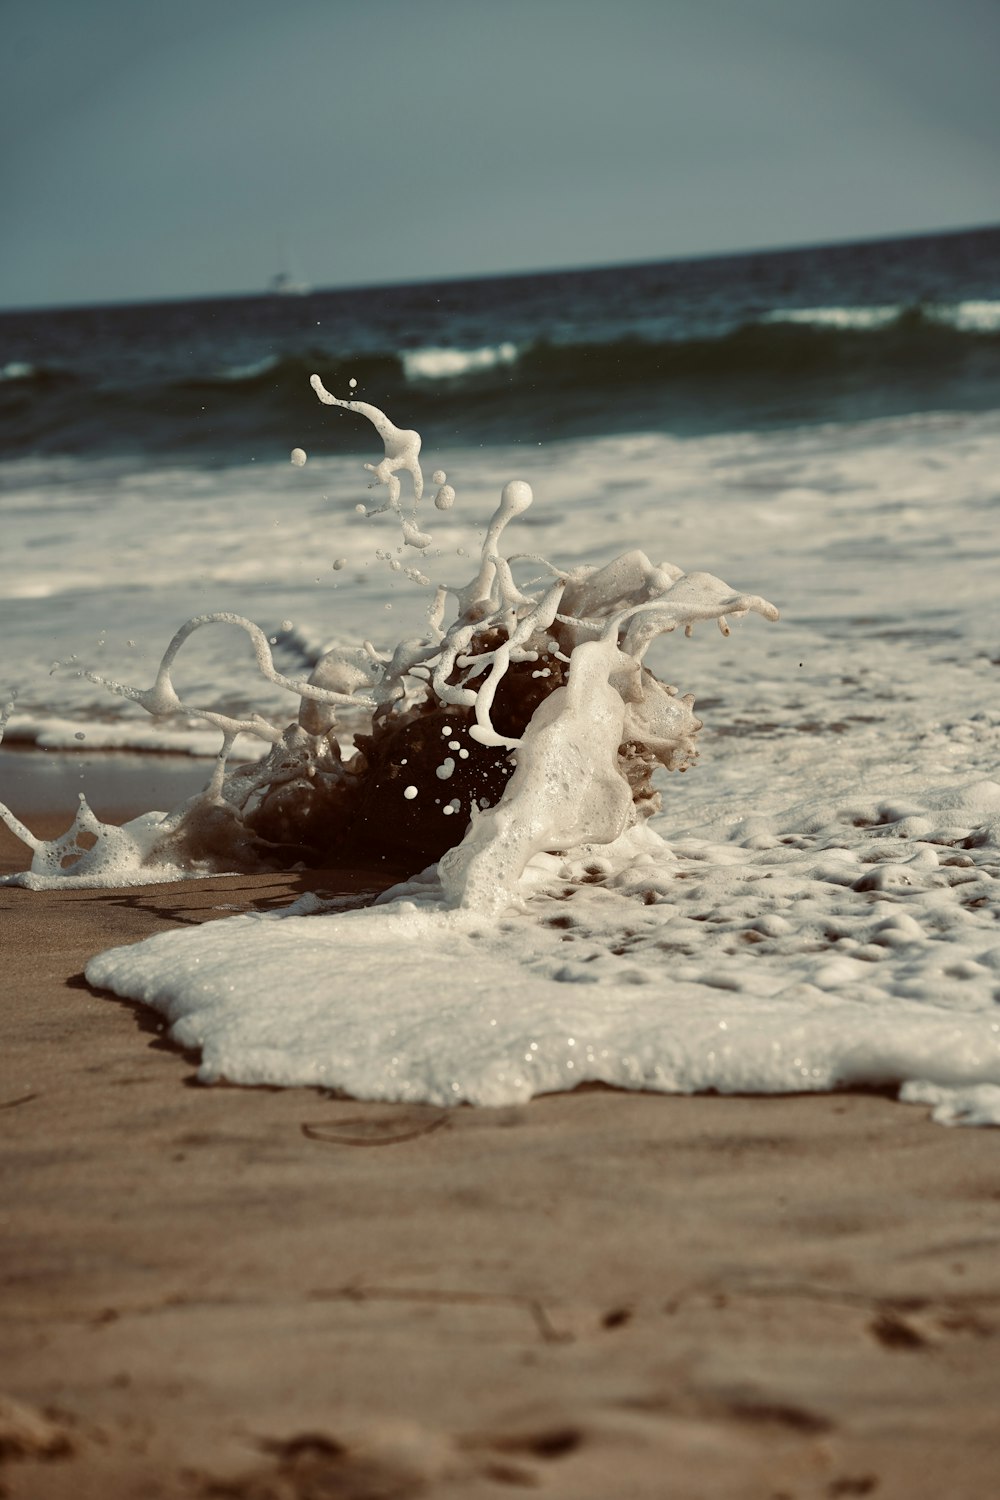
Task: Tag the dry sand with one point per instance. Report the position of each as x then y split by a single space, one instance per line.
277 1295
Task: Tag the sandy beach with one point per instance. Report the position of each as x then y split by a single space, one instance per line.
530 476
272 1293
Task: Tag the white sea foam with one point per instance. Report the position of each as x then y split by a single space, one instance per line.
51 732
976 316
252 370
437 364
16 369
93 855
971 316
891 521
843 958
828 885
837 317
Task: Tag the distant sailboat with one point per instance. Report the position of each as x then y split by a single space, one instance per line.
286 283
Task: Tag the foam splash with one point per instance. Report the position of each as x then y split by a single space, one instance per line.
539 689
554 938
402 451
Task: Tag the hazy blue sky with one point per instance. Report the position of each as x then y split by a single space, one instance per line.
155 150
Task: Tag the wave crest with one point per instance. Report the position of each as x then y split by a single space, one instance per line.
449 364
786 364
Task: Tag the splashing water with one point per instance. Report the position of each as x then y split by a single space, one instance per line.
553 938
540 689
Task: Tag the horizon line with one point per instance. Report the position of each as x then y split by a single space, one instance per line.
394 283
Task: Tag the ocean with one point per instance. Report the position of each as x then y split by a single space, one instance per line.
688 347
816 903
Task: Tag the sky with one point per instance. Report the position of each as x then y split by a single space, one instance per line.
196 147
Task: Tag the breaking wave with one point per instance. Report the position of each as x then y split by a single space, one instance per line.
449 364
786 365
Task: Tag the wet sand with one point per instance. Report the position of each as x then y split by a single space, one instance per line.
276 1295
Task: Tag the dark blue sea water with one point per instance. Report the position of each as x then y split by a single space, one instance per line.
763 340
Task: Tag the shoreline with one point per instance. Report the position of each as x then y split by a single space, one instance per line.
211 1286
118 784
